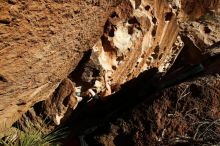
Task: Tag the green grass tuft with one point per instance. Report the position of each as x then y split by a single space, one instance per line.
32 136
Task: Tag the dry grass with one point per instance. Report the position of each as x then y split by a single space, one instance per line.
203 131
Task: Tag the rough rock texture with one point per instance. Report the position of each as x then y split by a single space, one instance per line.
135 42
63 99
140 35
137 37
42 42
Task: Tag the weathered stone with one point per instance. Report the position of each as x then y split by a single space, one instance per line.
41 42
63 101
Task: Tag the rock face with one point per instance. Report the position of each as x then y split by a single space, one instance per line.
99 45
41 42
140 35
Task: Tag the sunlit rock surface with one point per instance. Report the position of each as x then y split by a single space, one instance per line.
99 45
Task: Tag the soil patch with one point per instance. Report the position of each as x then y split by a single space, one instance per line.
185 114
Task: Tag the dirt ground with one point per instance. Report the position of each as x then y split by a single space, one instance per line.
185 114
